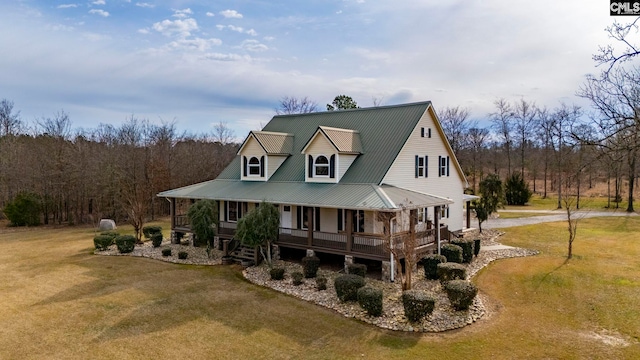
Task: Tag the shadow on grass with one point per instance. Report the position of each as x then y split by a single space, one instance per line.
548 275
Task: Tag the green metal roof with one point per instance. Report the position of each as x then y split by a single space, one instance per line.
351 196
383 131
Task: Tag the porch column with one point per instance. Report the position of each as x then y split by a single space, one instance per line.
310 226
413 215
349 229
468 214
436 223
172 212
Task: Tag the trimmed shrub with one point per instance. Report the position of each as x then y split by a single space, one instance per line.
321 283
370 299
297 277
467 248
461 293
357 269
277 273
417 304
451 271
347 286
156 239
310 265
112 234
149 231
166 252
476 246
102 242
452 252
126 243
430 263
182 255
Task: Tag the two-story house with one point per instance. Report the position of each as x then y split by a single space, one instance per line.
333 173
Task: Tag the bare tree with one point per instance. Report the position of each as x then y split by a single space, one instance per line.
621 34
502 124
223 134
10 123
401 245
294 105
477 142
564 118
455 123
524 114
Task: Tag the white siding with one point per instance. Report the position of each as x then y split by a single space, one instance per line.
329 220
402 171
319 146
343 163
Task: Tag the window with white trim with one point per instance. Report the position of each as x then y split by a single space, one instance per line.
443 166
444 211
422 215
321 166
254 166
422 164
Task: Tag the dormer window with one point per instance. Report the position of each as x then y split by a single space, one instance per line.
254 166
321 166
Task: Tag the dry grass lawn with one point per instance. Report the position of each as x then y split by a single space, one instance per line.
58 301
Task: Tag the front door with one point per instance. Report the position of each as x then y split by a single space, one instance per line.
285 219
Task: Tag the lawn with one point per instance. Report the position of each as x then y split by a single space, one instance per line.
599 203
57 300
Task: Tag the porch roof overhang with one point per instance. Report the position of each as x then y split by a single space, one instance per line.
347 196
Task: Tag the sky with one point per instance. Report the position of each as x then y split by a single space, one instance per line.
200 63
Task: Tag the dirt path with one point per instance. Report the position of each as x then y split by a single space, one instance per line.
557 215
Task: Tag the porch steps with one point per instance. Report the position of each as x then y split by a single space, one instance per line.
246 253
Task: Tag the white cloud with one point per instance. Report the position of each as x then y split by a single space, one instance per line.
253 45
252 32
145 5
99 2
195 44
67 6
144 31
235 28
182 28
269 38
231 14
239 29
210 14
220 27
60 27
225 57
99 12
181 14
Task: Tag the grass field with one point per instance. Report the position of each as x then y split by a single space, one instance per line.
599 203
57 300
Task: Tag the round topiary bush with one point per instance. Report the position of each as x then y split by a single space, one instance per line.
149 231
347 286
476 246
451 271
277 273
297 277
112 234
182 255
357 269
453 253
310 266
461 293
430 263
166 252
417 304
370 299
125 243
467 248
102 242
156 239
321 283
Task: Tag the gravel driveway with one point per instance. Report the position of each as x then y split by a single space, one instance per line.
558 215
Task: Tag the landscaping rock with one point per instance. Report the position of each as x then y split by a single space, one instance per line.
107 224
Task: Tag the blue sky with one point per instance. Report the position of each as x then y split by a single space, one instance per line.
203 62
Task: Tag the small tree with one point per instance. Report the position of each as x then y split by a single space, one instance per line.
259 228
24 210
402 246
203 217
492 198
516 190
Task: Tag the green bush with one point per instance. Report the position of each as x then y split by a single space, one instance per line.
453 253
310 265
297 277
102 242
417 304
156 239
516 190
467 248
321 283
357 269
347 286
430 263
126 243
451 271
203 218
166 252
461 293
111 233
24 210
182 255
276 273
370 299
148 231
476 246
